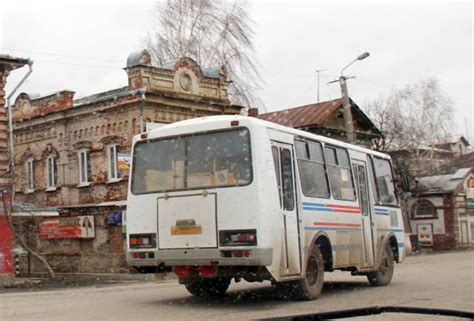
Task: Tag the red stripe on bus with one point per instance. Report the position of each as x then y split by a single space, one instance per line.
347 211
335 224
343 206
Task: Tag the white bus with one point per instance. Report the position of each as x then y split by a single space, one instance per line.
233 197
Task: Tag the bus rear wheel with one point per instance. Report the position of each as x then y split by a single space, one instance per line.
384 273
311 286
208 287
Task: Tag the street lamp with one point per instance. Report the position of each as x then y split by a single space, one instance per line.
346 105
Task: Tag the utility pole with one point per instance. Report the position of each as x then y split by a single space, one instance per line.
346 104
318 71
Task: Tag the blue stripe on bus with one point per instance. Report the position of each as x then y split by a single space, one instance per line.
401 244
318 209
381 209
390 229
313 204
381 213
324 228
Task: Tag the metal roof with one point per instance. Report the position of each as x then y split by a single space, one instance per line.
442 183
104 96
308 115
316 114
138 58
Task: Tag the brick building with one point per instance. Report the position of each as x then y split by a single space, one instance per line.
67 152
441 208
7 64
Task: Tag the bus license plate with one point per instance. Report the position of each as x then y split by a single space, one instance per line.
185 230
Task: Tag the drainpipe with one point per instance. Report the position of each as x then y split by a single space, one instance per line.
142 107
10 119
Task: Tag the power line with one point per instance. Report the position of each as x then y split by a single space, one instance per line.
76 64
60 55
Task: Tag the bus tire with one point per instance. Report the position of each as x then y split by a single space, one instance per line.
208 287
311 286
384 273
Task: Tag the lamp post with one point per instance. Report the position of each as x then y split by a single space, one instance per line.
346 105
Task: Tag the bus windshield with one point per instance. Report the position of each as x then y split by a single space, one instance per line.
206 160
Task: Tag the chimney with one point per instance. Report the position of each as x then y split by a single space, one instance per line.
253 112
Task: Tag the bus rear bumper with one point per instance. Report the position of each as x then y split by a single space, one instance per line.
257 257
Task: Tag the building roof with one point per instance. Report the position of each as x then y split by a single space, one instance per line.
209 72
315 115
463 161
104 96
452 140
442 183
13 62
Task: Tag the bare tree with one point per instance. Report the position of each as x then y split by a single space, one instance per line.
412 120
214 33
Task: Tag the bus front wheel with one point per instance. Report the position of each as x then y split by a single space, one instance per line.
311 286
208 287
384 273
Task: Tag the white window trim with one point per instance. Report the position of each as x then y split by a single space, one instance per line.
48 169
110 161
30 175
84 167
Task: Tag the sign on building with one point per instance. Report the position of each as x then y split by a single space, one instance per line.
123 160
470 198
425 234
70 227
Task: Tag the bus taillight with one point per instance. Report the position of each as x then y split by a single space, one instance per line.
238 237
182 271
140 241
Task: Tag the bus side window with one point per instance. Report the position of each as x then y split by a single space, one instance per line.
384 180
287 180
340 174
370 170
314 182
276 163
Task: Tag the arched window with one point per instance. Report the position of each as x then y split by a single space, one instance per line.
424 209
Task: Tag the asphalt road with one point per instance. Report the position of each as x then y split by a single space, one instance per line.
436 280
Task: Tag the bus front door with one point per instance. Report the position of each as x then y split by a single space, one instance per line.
283 160
360 172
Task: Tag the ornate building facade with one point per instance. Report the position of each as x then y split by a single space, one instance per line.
67 150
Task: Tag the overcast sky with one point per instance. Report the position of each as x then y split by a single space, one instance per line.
83 46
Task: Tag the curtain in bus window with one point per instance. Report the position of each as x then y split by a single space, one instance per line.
287 180
340 176
384 181
311 168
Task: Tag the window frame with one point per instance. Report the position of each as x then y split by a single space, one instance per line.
84 166
323 163
379 196
238 128
417 204
30 175
338 165
110 163
51 172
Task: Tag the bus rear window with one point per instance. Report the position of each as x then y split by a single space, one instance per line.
190 162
